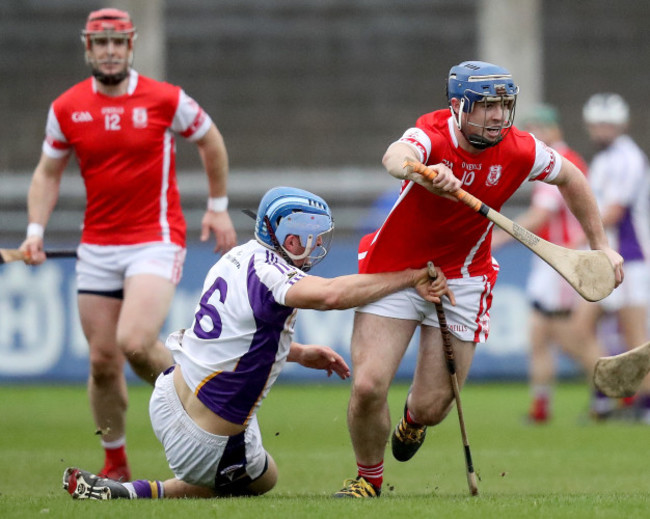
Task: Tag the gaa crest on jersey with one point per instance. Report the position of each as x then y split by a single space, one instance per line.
82 117
139 117
493 175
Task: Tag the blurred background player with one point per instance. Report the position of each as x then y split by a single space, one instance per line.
620 179
551 298
120 127
204 410
472 144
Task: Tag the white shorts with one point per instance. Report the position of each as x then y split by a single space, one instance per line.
195 456
635 289
549 292
469 320
103 268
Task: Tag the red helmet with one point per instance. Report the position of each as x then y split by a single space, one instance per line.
108 21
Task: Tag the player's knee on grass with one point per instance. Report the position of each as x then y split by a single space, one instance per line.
235 482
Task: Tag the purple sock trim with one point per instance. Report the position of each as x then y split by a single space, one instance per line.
148 489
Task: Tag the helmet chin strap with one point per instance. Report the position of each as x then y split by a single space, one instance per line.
480 142
110 79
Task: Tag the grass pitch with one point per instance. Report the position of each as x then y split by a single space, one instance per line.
568 468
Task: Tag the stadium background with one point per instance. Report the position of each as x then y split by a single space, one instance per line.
308 94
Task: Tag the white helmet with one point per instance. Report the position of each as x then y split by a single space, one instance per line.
606 108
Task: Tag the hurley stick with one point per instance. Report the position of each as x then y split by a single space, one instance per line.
620 376
453 377
9 255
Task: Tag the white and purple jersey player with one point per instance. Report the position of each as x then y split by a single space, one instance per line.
241 334
619 176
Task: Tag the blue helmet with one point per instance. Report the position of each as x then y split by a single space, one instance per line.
477 81
289 210
473 81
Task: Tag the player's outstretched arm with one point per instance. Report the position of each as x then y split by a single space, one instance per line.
579 197
344 292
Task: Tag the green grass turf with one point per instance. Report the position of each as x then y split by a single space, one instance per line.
569 468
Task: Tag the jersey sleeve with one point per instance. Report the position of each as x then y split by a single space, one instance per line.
548 163
417 139
190 120
55 144
278 276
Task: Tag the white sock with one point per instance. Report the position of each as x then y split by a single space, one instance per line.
121 441
131 489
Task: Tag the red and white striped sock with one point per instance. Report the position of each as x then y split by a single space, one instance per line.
373 474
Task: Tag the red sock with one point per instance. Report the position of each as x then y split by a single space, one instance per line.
628 401
410 420
373 474
115 457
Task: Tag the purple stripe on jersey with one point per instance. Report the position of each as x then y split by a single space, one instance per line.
628 242
233 395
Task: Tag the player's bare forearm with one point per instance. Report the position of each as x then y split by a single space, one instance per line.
44 189
41 199
580 199
350 291
394 158
577 194
214 156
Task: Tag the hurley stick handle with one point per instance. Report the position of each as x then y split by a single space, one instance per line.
472 480
460 194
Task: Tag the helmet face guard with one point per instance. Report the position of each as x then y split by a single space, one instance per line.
474 82
286 211
108 24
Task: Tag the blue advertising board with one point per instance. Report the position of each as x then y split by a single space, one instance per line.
41 338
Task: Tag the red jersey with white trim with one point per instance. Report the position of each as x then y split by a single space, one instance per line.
126 153
422 226
562 227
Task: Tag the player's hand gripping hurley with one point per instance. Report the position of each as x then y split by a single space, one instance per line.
590 273
453 378
9 255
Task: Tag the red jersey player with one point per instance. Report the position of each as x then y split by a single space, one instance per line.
120 127
472 145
